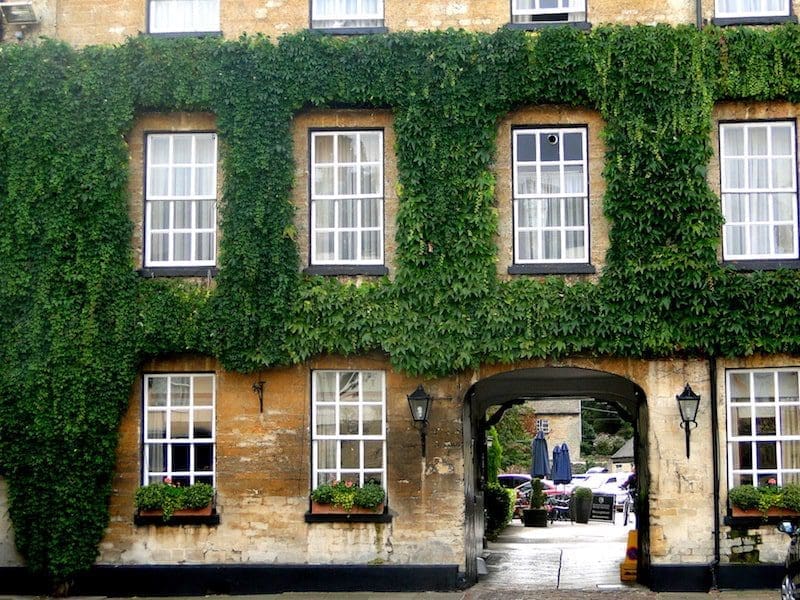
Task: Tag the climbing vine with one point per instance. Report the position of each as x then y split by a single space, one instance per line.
76 320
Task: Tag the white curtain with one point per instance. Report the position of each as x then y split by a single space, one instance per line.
173 16
347 13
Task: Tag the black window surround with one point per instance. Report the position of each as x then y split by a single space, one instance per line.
722 22
350 30
151 272
177 520
552 269
371 270
384 517
761 265
581 25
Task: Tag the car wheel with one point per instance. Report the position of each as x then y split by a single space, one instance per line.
788 589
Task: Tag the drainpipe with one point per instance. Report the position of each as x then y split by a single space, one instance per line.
698 7
712 376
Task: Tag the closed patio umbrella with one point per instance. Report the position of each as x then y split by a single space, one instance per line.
540 461
562 472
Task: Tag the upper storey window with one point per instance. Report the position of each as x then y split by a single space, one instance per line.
551 201
183 16
738 9
180 200
759 190
548 11
347 198
346 14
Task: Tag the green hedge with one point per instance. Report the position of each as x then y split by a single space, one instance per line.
76 320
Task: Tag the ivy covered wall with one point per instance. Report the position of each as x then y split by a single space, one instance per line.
75 319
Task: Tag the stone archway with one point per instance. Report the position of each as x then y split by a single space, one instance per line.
513 387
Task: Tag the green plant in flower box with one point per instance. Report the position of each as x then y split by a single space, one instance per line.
346 494
168 497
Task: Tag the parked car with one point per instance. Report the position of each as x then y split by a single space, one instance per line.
512 480
524 492
608 483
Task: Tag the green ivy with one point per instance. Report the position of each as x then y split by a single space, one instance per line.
77 320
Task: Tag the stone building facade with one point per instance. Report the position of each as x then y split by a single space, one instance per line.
267 457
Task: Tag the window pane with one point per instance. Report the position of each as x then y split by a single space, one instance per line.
767 455
764 387
156 425
549 147
159 247
371 147
551 180
787 386
203 457
159 149
205 149
202 423
765 420
323 181
790 456
323 149
348 420
371 212
158 181
204 181
526 148
552 244
743 455
183 215
733 141
351 455
790 420
156 391
348 181
741 424
182 149
179 424
370 245
370 180
348 213
575 245
326 454
373 454
324 246
573 146
325 386
157 459
574 215
348 245
526 180
180 457
347 148
326 420
551 212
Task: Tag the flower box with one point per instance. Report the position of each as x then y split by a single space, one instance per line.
755 513
206 511
332 509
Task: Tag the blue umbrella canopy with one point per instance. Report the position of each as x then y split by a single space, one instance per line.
540 460
562 471
556 464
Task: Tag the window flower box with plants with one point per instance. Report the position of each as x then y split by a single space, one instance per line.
766 501
346 497
174 503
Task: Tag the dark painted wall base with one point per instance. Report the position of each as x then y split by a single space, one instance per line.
699 578
196 580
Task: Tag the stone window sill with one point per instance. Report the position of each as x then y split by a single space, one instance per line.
177 520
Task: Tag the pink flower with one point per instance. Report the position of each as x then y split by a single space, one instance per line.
771 481
168 480
349 484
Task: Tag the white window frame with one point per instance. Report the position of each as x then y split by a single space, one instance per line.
541 197
721 12
762 407
171 409
543 425
340 17
573 10
336 229
171 230
338 404
747 224
193 24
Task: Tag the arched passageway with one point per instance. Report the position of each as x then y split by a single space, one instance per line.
518 386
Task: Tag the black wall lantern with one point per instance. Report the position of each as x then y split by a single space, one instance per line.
419 401
258 388
688 403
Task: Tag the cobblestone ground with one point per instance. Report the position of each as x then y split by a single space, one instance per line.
568 560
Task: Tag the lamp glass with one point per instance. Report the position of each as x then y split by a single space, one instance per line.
688 404
420 403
